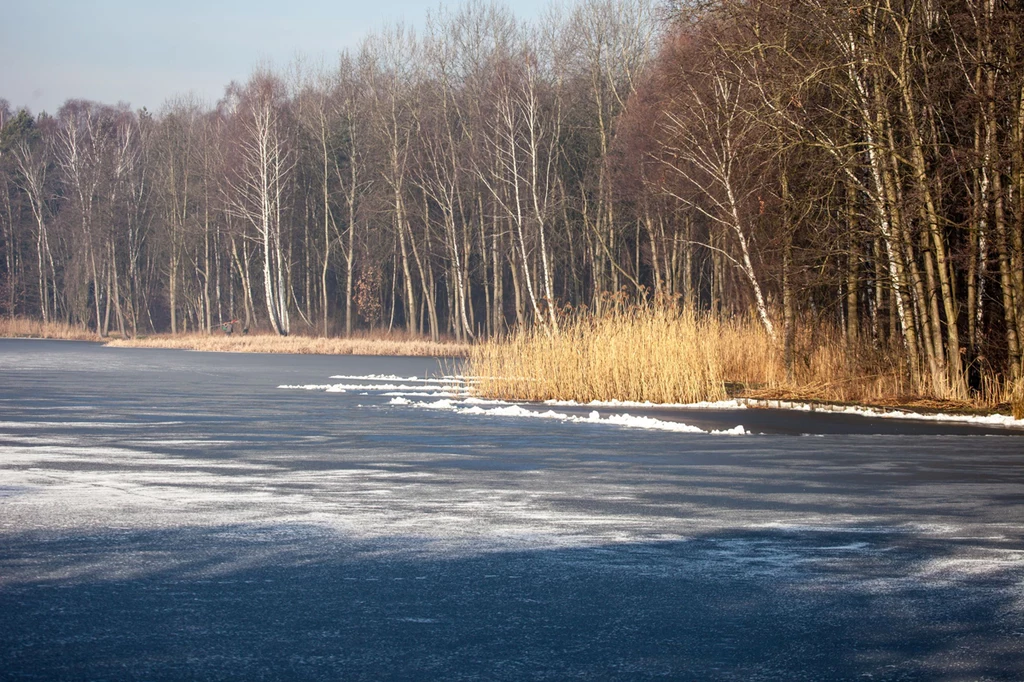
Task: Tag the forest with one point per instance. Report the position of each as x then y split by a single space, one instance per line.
823 167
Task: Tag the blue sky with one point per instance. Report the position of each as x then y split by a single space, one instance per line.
142 52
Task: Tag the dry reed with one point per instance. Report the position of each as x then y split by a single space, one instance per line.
1016 399
654 356
683 357
303 345
23 327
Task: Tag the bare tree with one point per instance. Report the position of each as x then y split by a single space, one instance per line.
258 183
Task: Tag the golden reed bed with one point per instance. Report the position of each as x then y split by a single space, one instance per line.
665 356
659 358
303 345
241 343
25 328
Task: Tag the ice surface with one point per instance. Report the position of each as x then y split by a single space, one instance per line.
177 489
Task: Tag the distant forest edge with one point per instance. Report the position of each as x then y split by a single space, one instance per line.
854 168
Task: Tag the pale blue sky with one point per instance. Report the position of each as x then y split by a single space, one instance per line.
143 52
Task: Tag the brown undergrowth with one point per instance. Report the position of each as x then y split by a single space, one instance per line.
1016 399
632 356
25 328
367 344
303 345
664 356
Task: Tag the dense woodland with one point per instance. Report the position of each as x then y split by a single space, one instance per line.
853 166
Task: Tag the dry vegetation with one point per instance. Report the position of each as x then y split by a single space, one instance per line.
1016 399
658 357
366 344
305 345
668 357
26 328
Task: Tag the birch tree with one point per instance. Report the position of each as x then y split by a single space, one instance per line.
258 184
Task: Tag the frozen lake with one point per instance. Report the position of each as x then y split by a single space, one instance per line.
176 515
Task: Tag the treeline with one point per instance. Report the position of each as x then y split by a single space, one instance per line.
823 165
861 164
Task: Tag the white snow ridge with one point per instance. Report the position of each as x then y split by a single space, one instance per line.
512 410
454 395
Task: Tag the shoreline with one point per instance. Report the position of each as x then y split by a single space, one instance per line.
951 413
297 345
284 345
921 408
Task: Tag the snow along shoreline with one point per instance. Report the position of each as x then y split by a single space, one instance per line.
455 396
512 410
760 403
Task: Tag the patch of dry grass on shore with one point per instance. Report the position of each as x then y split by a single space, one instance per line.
1016 399
639 356
25 328
302 345
685 357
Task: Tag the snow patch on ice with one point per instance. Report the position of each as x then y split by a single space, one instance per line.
511 410
389 385
745 403
703 405
651 423
307 387
342 388
391 378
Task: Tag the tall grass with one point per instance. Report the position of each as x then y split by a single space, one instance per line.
824 365
636 355
23 327
668 356
1016 399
